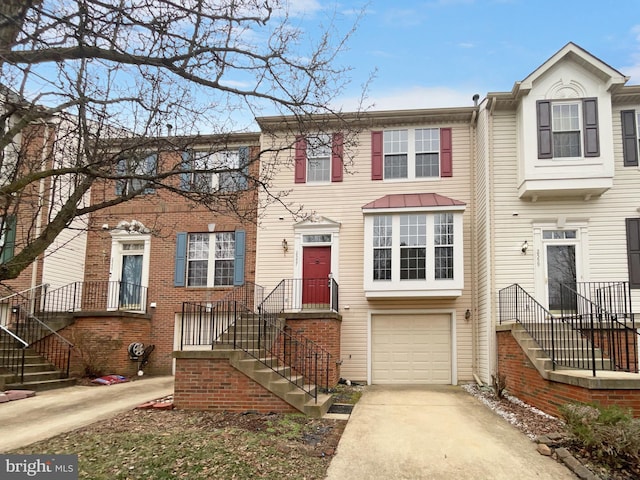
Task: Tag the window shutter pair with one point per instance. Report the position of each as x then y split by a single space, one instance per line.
180 271
377 154
629 138
337 159
591 138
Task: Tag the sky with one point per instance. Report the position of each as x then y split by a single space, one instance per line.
439 53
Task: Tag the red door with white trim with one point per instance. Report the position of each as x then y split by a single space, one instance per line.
316 267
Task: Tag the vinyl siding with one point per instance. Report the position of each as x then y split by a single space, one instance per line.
342 203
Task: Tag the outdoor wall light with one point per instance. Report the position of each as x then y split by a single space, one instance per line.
285 245
467 315
525 247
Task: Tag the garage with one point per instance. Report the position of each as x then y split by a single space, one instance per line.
411 349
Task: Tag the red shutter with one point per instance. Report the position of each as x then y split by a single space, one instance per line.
446 160
545 148
376 156
337 160
301 160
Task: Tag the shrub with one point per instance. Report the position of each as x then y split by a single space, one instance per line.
608 434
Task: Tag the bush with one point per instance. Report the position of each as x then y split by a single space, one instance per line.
609 434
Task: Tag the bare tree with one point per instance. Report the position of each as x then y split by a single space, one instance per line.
154 74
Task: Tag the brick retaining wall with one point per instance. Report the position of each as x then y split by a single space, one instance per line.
524 381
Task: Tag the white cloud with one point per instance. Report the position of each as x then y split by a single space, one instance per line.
414 97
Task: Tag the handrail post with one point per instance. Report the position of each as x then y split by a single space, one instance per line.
593 348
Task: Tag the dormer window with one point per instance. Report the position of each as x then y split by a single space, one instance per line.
566 129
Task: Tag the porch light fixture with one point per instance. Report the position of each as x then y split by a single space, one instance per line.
525 247
467 315
285 245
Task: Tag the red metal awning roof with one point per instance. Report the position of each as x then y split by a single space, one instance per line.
413 200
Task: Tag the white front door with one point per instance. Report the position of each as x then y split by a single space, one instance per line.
129 274
561 252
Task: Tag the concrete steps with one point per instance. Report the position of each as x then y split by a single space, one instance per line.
280 381
249 358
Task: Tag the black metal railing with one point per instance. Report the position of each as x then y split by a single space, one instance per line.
292 356
612 297
297 294
96 295
581 335
40 337
12 352
249 294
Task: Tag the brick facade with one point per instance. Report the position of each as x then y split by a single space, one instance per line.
103 339
213 384
165 214
524 381
324 330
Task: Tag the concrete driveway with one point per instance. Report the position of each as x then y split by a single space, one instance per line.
435 432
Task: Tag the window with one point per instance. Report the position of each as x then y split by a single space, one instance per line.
630 137
413 252
443 245
382 231
411 154
9 155
410 247
141 168
568 129
224 171
319 158
210 259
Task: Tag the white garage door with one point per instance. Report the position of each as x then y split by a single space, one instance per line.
411 349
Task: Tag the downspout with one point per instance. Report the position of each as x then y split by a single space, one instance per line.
491 331
41 190
473 134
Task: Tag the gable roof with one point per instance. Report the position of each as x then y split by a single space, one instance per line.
611 77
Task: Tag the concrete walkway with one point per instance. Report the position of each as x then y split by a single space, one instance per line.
435 433
52 412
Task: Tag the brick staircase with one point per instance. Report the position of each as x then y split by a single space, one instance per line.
606 378
569 349
258 355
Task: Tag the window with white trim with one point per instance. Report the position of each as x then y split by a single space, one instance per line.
142 169
223 171
566 127
319 158
412 153
413 247
382 234
210 259
420 255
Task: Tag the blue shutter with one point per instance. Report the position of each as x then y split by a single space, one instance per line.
185 177
9 239
180 272
238 265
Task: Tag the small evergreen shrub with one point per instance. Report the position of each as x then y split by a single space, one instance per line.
609 435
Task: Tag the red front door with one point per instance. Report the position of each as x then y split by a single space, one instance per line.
316 267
